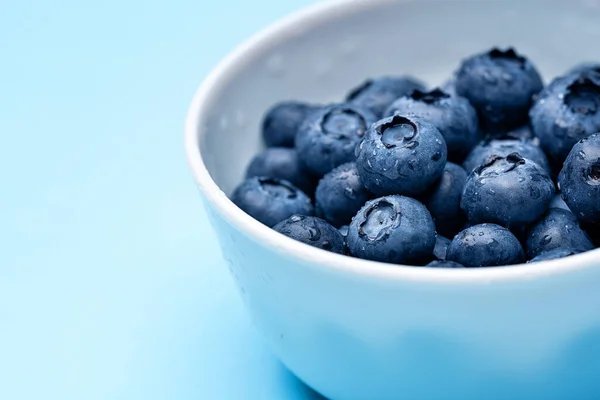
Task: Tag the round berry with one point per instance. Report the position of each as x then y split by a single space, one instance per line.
565 112
282 163
282 121
487 150
501 85
512 191
454 117
393 229
485 245
328 136
442 200
444 264
557 229
579 180
377 94
340 194
312 231
271 200
401 155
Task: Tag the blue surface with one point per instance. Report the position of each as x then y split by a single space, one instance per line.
111 282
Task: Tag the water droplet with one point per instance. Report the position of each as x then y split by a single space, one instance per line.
482 181
487 209
521 179
481 233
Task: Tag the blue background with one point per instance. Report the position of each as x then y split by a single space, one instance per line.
111 281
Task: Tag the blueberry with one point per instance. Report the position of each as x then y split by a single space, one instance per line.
512 191
443 200
329 135
393 229
282 121
557 229
271 200
312 231
485 245
558 202
521 133
553 255
444 264
377 94
401 155
454 117
489 149
340 194
282 163
501 86
579 180
566 111
441 247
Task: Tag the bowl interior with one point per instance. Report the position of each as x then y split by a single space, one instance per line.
320 54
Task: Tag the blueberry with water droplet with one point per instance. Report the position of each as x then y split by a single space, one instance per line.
566 111
454 117
485 245
329 136
394 229
521 192
558 228
405 161
271 200
501 85
580 181
312 231
340 194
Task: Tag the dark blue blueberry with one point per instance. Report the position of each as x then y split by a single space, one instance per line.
485 245
329 135
401 155
579 180
454 117
442 200
393 229
377 94
565 112
558 202
271 200
553 255
340 194
312 231
444 264
557 229
487 150
512 191
441 247
501 86
282 121
282 163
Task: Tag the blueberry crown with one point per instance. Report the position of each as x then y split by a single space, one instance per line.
508 54
358 90
380 219
430 97
278 188
398 130
500 165
583 95
343 123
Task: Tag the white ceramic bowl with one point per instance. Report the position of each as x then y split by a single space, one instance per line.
356 329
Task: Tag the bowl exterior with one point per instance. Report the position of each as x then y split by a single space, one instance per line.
354 337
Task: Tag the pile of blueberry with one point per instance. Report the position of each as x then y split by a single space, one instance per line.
491 169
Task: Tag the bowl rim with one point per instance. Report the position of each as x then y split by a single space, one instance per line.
257 44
